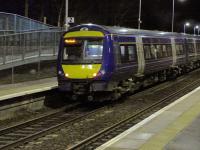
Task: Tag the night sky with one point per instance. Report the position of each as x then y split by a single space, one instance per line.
156 14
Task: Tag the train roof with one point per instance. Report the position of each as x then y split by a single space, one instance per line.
137 32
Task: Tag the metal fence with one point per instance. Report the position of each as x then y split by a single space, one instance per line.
28 48
12 23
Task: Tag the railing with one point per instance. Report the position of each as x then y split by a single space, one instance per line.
33 49
16 23
22 48
28 49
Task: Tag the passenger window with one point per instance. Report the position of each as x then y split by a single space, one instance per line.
128 53
157 51
123 54
131 53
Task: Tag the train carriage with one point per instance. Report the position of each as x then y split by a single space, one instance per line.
96 59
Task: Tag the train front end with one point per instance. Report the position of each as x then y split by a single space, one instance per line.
84 62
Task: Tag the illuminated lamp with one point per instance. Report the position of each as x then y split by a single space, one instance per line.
94 74
70 41
66 75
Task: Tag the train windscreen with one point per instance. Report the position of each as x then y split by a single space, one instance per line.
83 50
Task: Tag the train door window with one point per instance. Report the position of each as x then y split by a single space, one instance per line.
117 53
190 47
164 51
147 52
169 50
123 54
198 47
153 51
159 51
131 52
179 49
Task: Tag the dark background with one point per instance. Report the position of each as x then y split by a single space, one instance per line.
156 14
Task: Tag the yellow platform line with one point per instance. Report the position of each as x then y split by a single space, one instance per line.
158 141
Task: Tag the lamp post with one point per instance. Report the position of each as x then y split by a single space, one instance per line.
173 12
26 7
196 27
187 24
139 18
66 15
173 17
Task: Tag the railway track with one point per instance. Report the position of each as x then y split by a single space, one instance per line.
105 135
38 127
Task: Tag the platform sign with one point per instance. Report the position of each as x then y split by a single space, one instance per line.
70 19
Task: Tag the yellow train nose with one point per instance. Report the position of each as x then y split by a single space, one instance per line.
81 71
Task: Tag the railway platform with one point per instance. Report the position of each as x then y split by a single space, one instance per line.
175 127
25 88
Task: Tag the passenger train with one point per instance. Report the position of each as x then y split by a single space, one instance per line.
102 62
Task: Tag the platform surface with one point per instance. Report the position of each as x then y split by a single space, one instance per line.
175 127
24 88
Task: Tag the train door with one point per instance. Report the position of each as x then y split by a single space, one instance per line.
140 57
125 57
198 49
174 54
190 50
186 51
195 48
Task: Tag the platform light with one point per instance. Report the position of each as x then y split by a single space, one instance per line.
196 27
187 24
